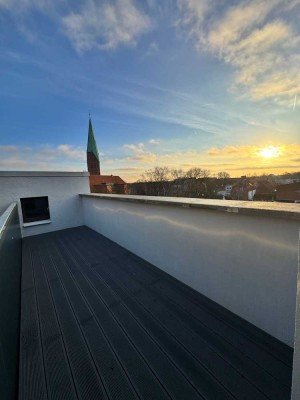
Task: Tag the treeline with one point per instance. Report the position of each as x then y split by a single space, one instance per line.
288 175
196 182
163 181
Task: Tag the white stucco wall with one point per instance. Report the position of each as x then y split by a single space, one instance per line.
245 262
296 366
62 189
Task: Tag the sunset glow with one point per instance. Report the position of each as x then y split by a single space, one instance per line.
270 152
179 84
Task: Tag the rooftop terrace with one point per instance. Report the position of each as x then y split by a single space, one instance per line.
129 297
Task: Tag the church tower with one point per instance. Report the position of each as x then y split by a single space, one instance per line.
93 159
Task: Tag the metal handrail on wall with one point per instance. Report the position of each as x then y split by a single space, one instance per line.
5 218
10 297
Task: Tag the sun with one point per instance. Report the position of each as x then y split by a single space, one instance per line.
269 152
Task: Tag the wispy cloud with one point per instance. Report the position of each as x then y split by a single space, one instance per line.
106 25
63 157
139 153
8 148
295 102
88 24
22 13
154 141
19 6
61 151
254 38
152 49
283 153
192 13
139 98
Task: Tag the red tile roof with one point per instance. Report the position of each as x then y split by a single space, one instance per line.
108 179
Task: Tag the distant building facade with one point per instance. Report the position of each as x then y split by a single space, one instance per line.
288 193
241 189
265 191
101 183
225 191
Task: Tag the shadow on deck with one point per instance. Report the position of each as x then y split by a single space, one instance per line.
98 322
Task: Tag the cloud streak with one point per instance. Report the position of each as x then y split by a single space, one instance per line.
105 25
255 39
42 157
139 154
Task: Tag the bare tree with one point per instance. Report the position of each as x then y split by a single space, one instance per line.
195 185
178 180
157 181
176 173
223 175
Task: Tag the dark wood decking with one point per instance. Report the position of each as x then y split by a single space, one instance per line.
98 322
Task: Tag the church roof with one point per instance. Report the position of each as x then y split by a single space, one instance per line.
92 145
108 179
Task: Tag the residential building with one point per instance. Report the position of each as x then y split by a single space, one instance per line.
265 191
243 189
288 193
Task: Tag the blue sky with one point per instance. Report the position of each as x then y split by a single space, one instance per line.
182 83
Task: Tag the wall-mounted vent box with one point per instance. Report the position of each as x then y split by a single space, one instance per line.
35 210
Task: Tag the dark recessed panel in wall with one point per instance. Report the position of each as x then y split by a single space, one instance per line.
35 209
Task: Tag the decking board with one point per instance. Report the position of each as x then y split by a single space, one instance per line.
98 322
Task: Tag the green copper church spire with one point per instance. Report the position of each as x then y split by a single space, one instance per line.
92 145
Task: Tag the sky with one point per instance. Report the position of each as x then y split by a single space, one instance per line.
213 84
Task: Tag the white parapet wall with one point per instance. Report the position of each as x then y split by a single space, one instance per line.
243 255
62 189
296 366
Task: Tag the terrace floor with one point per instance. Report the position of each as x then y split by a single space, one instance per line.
98 322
